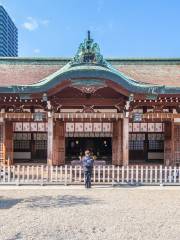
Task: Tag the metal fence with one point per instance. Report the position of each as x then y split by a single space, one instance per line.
67 175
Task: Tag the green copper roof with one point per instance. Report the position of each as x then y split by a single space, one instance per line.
89 64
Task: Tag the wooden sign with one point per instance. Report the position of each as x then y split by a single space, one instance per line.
143 127
69 127
79 127
18 127
26 127
88 127
150 127
41 127
136 127
30 127
34 127
97 127
158 127
107 127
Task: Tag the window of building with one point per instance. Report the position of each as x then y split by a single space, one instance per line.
136 141
156 141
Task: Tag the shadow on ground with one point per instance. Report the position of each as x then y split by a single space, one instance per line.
59 201
18 236
6 203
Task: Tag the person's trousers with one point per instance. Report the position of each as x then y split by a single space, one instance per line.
87 175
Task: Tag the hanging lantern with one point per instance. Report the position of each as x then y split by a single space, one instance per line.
38 116
44 97
137 117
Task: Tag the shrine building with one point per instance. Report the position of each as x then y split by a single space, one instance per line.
126 111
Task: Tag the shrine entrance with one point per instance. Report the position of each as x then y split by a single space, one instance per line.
101 147
94 136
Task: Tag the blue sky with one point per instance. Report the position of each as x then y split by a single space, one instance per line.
123 28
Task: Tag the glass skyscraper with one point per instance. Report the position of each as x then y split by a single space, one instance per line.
8 35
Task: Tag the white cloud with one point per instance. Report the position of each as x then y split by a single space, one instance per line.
31 24
36 50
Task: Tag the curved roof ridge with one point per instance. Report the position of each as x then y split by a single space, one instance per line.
116 76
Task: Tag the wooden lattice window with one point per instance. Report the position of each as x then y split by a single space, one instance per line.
156 141
22 141
40 136
136 141
41 145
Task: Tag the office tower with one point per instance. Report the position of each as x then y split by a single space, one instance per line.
8 35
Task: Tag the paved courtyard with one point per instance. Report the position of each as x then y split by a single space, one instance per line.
74 213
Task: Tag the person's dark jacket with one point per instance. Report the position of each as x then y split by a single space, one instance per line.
85 167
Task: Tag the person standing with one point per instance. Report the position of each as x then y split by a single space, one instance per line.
87 162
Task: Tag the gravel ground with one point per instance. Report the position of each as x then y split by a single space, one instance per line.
74 213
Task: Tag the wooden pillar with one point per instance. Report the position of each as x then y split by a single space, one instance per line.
168 143
125 141
59 144
117 155
50 141
2 143
8 142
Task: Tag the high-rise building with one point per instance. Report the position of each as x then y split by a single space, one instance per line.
8 35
